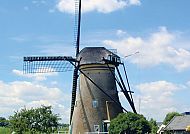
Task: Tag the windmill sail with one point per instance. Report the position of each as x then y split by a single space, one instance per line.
125 92
46 64
77 25
121 84
77 43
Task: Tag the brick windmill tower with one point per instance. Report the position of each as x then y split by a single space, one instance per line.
95 102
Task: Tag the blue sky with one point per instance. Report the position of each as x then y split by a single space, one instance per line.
159 30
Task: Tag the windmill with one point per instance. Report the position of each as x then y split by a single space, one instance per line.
95 102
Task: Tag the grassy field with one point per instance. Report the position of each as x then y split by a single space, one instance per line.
4 130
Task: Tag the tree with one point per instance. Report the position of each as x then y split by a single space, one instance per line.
3 122
154 126
129 123
169 116
34 120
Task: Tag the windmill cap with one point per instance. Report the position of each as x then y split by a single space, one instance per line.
94 55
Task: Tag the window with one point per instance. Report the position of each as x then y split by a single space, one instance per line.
96 128
94 103
106 125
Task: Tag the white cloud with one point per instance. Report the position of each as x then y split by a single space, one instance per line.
19 94
157 87
103 6
156 98
120 33
27 90
188 83
134 2
154 50
35 76
38 2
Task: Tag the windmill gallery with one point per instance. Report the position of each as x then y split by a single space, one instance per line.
96 73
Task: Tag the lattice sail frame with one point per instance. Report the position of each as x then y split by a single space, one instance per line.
46 64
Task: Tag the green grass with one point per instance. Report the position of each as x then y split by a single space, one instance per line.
5 130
